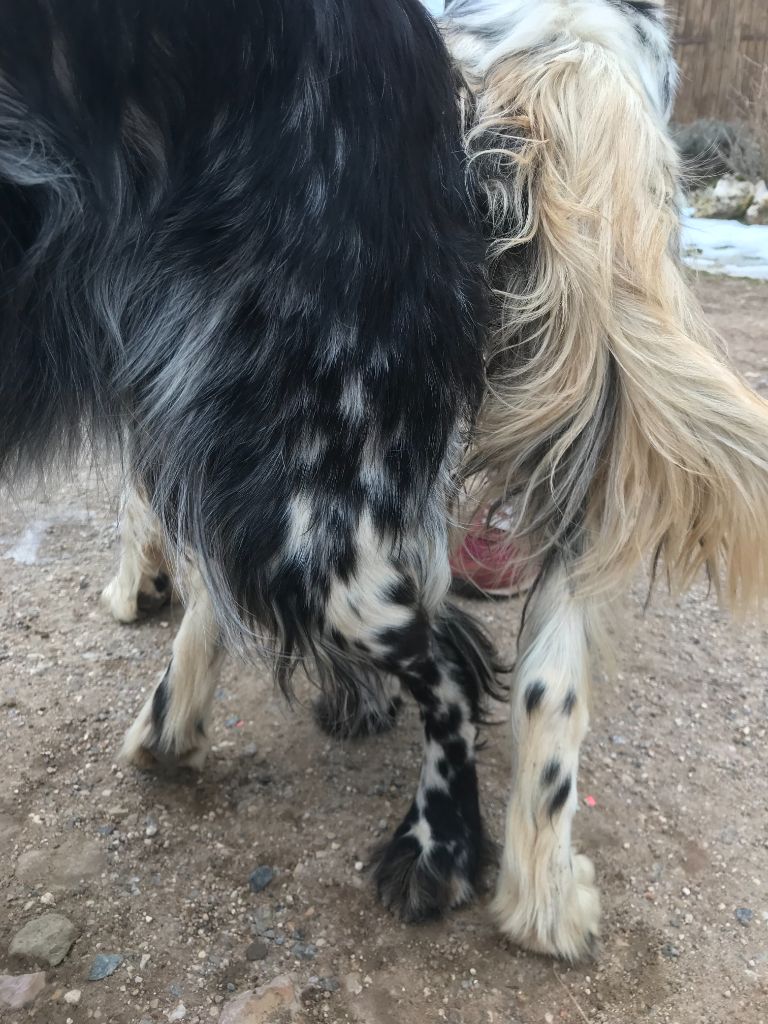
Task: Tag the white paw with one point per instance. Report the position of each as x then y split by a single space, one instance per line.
151 748
126 602
558 916
121 603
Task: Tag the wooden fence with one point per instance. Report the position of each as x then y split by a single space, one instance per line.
721 46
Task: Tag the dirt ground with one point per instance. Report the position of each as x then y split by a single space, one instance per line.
157 871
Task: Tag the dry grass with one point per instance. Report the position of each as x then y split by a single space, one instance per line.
711 147
748 155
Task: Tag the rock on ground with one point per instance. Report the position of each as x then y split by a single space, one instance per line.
758 211
103 965
728 200
259 1006
17 990
45 939
61 867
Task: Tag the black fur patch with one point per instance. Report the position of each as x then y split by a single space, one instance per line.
349 718
642 7
569 702
558 800
533 694
160 700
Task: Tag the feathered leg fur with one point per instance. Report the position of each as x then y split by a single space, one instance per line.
143 582
546 899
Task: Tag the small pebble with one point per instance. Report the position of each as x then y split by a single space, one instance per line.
257 950
744 915
103 965
353 984
304 951
73 996
670 952
259 879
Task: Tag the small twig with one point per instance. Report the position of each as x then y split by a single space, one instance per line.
570 995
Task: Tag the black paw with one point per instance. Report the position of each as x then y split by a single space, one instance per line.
419 884
355 721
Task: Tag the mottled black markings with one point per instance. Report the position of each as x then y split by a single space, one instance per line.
408 642
551 772
402 592
569 702
420 882
456 751
642 7
441 726
533 695
160 699
558 800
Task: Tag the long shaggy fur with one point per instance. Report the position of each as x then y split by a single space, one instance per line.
243 235
612 414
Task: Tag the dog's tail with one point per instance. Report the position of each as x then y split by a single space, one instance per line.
611 411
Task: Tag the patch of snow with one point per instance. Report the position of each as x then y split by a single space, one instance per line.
26 547
726 247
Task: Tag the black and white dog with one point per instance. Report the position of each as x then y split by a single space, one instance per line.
245 242
241 234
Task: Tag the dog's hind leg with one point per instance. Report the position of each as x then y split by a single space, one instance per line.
171 730
390 617
435 858
354 714
142 583
546 899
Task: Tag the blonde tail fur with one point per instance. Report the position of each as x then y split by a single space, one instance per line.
612 412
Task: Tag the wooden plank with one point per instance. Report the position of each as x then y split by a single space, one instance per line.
713 39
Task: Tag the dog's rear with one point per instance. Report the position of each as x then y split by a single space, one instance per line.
202 241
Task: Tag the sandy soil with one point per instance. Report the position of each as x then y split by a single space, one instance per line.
157 871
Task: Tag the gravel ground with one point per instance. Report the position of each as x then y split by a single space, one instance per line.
155 873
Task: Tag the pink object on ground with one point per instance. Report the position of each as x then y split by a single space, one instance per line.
485 564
